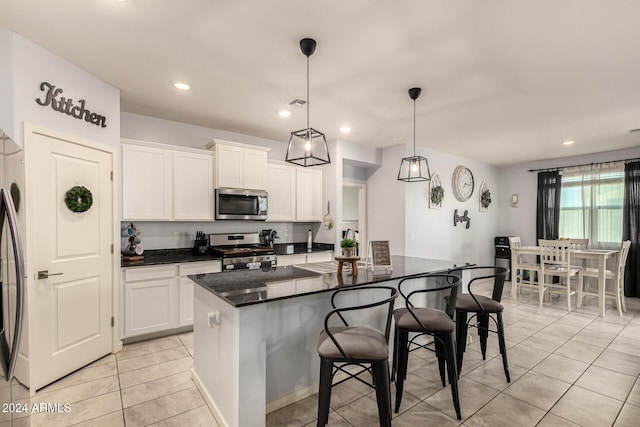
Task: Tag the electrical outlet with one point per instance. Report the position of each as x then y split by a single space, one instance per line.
176 235
213 318
285 233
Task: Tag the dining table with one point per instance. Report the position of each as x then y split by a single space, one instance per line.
601 257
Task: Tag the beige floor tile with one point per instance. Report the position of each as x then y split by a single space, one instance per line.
506 411
162 408
629 416
106 359
139 376
545 342
492 374
335 420
634 396
147 347
471 360
295 415
157 388
620 362
517 333
561 368
607 382
625 345
525 356
587 408
473 396
364 411
114 419
189 349
539 390
156 358
198 417
594 338
576 319
560 330
577 350
76 393
84 410
551 420
186 338
348 391
423 382
604 328
83 375
421 414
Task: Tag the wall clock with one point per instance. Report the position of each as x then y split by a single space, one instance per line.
462 183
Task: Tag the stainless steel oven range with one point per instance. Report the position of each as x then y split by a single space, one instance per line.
241 251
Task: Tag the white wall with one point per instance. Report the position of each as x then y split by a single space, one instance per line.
25 66
516 179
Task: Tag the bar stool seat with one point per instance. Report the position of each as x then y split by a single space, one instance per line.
467 303
437 320
358 342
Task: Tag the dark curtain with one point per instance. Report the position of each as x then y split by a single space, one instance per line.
631 227
548 214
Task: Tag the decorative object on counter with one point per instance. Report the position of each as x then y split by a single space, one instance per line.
353 260
463 183
133 250
327 220
308 147
348 247
78 199
380 256
485 197
514 200
436 195
269 236
309 240
200 244
464 218
414 168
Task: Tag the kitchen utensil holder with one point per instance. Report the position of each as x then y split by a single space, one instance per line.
200 246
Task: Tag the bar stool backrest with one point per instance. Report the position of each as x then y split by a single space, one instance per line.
412 287
498 274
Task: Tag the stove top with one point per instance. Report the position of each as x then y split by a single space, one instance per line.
232 251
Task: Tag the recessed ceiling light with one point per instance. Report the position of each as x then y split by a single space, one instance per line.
568 143
182 85
345 129
284 113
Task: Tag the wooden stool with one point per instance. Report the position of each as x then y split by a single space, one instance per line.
348 259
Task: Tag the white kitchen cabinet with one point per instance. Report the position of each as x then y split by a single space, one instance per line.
193 186
281 187
146 183
308 194
160 182
160 298
150 295
319 256
239 166
186 287
295 259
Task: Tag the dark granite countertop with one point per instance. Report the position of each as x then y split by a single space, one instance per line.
246 287
170 256
301 248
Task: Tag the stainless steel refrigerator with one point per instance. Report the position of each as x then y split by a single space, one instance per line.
13 395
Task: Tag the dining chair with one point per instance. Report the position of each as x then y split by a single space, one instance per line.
482 308
578 243
528 272
419 317
555 261
616 292
348 344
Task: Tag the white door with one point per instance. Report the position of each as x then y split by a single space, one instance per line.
71 309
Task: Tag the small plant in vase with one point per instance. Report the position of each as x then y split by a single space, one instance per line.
348 247
485 199
437 195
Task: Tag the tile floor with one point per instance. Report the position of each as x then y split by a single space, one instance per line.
567 369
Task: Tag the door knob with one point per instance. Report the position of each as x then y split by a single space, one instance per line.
44 274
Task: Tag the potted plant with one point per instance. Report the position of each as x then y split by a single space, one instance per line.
437 195
485 199
348 246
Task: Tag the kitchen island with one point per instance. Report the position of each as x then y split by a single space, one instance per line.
255 333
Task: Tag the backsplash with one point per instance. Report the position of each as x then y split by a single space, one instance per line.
160 235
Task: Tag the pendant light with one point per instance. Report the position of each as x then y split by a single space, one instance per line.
308 147
414 168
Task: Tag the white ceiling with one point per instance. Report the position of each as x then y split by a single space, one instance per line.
504 81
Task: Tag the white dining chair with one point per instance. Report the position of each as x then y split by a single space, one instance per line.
616 292
530 279
578 243
555 261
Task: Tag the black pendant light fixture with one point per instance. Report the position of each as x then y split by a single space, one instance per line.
308 147
414 168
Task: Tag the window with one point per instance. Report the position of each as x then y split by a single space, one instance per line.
591 206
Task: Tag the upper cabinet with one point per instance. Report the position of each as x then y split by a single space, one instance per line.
161 182
240 166
295 194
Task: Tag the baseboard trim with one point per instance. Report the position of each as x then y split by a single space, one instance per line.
208 400
290 398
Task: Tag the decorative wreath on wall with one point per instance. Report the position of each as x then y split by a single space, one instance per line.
78 199
486 198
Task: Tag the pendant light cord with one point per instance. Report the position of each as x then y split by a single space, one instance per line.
308 101
414 128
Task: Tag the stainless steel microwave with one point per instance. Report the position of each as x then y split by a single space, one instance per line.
241 204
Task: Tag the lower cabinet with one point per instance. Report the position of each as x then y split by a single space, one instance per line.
294 259
159 298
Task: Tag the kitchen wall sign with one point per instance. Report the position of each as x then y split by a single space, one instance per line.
67 106
464 218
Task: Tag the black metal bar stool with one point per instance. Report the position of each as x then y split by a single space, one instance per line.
482 308
422 320
348 344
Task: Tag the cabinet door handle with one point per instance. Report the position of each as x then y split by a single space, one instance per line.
44 274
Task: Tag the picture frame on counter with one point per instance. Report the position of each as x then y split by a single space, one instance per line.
378 257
